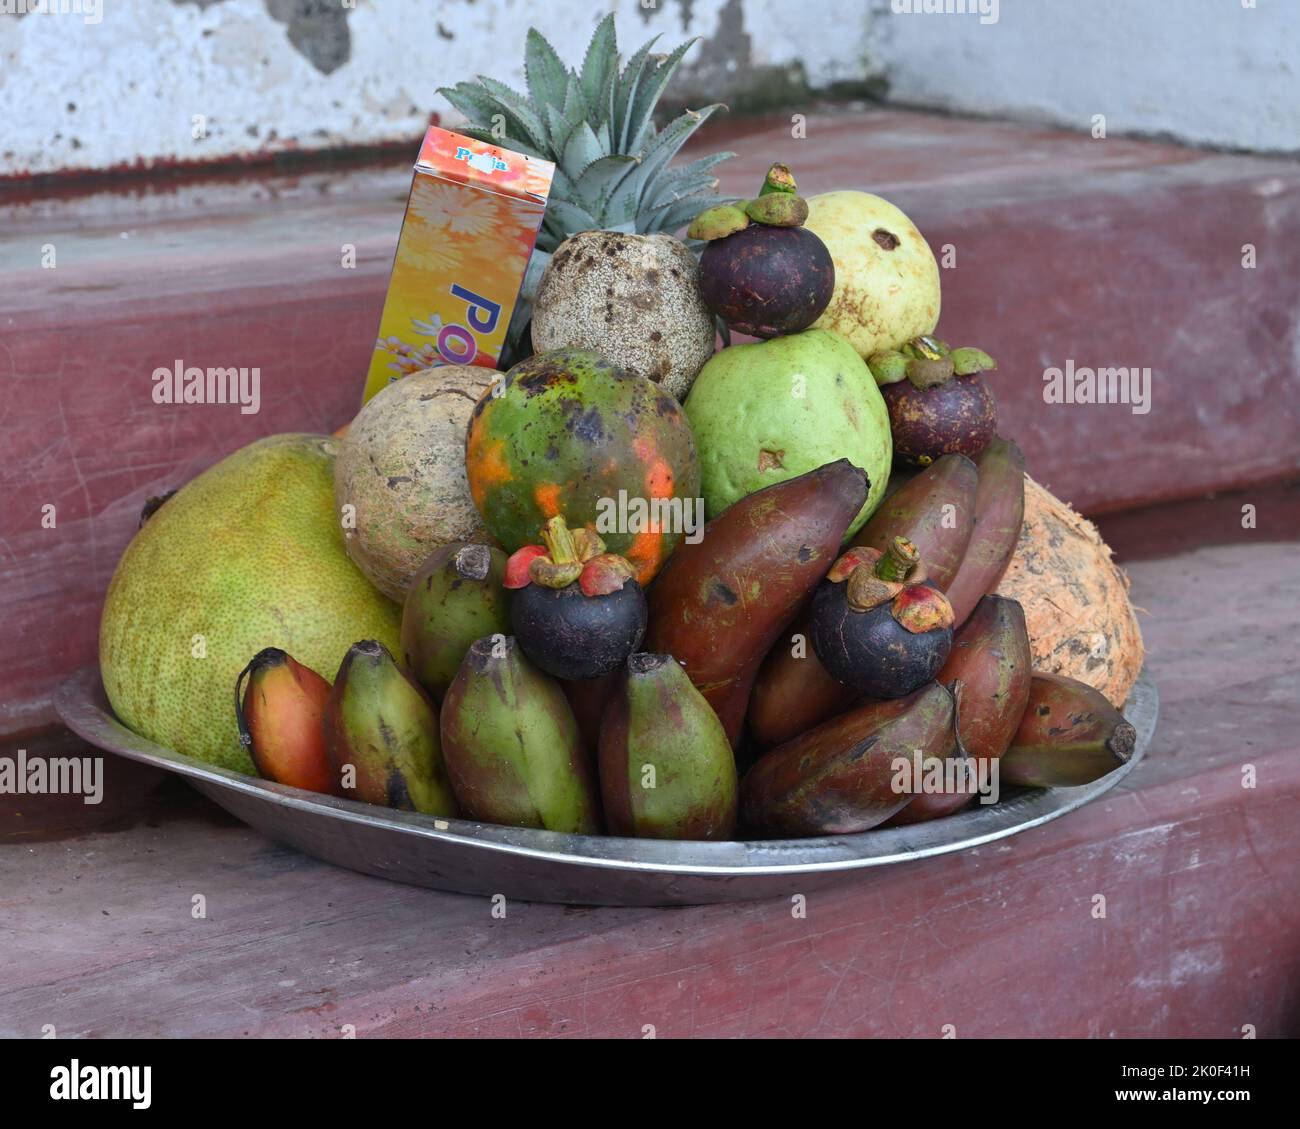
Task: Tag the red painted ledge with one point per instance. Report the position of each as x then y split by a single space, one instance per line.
1116 252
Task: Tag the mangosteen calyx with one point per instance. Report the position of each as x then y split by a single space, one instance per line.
568 556
778 209
928 362
777 204
897 577
573 611
718 222
878 626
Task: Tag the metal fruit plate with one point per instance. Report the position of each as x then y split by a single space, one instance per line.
547 866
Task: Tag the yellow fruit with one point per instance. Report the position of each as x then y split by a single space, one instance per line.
248 555
886 279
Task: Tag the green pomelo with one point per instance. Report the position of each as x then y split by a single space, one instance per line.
248 555
774 410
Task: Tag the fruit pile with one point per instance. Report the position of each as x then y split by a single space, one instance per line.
648 587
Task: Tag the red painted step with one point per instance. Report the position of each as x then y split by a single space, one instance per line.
1103 253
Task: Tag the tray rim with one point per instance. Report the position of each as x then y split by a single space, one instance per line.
81 704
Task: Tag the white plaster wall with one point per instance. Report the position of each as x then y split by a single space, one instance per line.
127 88
1211 72
137 85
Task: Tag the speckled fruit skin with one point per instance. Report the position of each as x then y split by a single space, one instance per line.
766 281
248 555
959 417
634 299
567 430
402 466
886 278
771 411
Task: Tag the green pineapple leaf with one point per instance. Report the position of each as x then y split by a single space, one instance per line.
626 202
599 180
561 184
600 65
570 216
473 102
516 107
673 184
576 109
625 95
678 213
581 149
648 94
558 128
608 96
544 72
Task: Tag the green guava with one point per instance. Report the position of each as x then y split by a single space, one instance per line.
774 410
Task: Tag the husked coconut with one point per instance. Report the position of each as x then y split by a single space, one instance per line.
1075 597
402 467
634 299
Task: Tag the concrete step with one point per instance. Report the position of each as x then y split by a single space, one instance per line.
1067 251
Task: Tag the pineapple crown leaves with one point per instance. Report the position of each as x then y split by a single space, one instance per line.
597 125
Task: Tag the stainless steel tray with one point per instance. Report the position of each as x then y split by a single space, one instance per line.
478 858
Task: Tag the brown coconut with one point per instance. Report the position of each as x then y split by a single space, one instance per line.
1076 603
401 467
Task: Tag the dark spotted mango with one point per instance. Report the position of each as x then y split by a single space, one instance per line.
566 432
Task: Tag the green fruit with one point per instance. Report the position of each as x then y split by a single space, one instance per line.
511 744
771 411
381 735
567 433
886 279
246 556
455 598
666 766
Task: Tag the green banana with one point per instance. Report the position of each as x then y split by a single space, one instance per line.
381 735
455 598
512 746
666 767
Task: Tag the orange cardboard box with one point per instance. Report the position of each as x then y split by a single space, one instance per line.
471 222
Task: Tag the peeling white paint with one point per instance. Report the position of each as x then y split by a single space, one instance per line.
128 89
139 77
